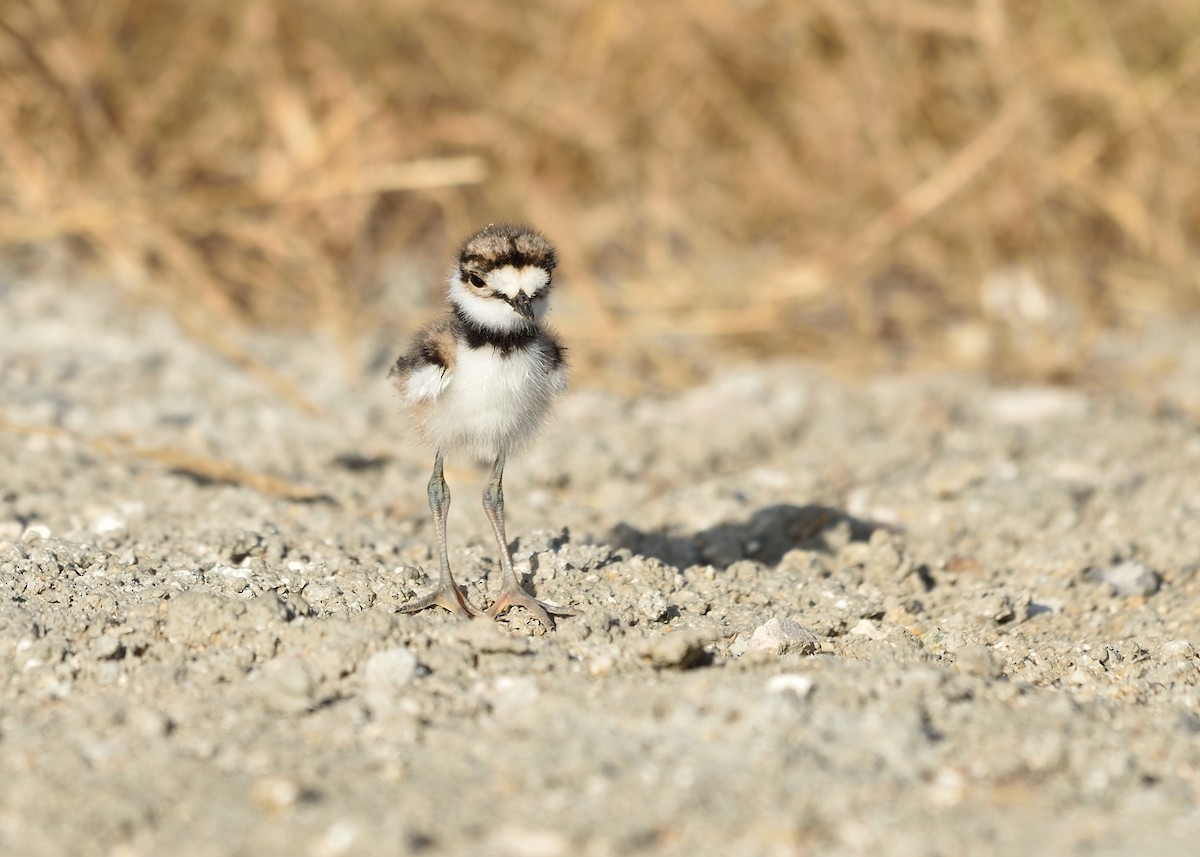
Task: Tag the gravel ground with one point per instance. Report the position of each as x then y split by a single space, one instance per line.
919 615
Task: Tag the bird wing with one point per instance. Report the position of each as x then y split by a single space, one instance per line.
423 372
426 382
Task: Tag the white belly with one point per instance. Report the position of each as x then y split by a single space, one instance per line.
493 404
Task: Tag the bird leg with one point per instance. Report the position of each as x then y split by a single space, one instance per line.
447 594
511 594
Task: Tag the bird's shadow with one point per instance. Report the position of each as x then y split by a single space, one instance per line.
764 537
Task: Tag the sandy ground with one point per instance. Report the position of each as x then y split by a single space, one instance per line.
911 616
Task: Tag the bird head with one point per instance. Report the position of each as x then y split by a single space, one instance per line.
501 280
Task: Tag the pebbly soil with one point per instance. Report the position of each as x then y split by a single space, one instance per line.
917 615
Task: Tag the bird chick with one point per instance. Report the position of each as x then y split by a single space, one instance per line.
482 380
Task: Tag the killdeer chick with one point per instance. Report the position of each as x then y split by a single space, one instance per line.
481 380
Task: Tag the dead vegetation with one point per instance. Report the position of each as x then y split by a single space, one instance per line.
974 181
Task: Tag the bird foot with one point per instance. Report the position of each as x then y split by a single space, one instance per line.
514 596
448 597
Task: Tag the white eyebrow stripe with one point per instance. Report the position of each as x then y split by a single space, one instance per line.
510 281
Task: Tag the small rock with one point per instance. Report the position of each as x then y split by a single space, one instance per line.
317 593
266 609
1127 578
384 678
867 628
243 543
974 659
795 683
1178 650
1034 405
948 788
288 686
675 651
104 647
296 604
1002 607
34 532
106 522
390 670
149 723
338 839
275 793
228 577
781 637
653 606
601 665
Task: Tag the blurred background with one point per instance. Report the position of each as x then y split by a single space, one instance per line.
969 183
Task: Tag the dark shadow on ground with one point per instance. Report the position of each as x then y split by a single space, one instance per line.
765 537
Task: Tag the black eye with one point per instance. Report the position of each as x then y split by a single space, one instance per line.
476 281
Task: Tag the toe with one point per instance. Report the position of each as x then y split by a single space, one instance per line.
448 598
541 610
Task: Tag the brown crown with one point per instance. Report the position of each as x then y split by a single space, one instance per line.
500 244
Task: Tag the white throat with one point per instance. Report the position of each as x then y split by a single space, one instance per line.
494 313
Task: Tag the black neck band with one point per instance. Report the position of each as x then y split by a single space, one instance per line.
478 336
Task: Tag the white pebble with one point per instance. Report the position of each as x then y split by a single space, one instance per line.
390 670
653 606
867 628
1127 578
1034 405
1178 649
107 522
338 839
104 647
512 696
35 531
275 793
782 637
800 685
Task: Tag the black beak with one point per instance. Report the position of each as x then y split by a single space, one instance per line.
523 304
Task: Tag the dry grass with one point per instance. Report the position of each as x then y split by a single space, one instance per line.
978 181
